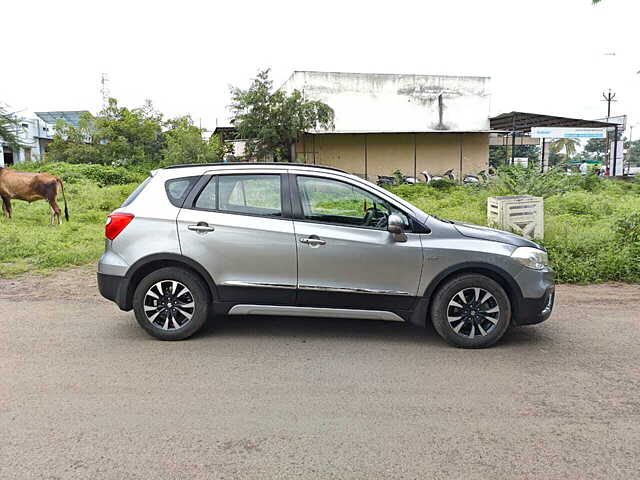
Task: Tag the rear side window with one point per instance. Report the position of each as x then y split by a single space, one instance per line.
245 194
178 188
135 193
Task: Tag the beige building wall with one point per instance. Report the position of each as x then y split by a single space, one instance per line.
383 153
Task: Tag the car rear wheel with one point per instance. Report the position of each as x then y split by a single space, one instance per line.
471 311
171 303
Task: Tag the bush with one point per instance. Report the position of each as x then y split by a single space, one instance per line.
443 184
628 227
591 228
518 180
100 174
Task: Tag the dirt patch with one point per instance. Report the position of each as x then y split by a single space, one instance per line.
74 284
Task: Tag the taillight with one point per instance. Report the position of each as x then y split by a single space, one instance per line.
116 223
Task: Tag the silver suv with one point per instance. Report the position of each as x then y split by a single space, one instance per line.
304 240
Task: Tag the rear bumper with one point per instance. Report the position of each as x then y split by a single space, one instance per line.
114 288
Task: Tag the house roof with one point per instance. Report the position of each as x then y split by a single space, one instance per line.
70 117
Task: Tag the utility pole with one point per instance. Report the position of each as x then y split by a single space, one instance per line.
609 97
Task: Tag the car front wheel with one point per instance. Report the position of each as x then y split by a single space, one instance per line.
471 311
171 303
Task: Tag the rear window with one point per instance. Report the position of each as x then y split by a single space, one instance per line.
245 194
135 193
178 189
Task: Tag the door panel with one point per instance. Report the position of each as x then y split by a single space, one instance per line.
251 257
346 256
356 267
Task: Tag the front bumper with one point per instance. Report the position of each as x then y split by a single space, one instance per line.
538 289
115 288
535 310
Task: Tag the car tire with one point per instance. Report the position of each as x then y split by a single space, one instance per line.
471 311
171 303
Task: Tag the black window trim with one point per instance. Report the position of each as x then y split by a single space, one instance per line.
298 212
285 196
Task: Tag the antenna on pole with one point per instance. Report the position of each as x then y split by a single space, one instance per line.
104 89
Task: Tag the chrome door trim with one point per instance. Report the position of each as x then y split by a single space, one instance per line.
314 312
234 283
369 291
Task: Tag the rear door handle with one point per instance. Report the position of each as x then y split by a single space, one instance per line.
313 240
201 227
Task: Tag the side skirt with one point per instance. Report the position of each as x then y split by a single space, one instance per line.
314 312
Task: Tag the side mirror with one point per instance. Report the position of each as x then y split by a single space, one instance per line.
395 226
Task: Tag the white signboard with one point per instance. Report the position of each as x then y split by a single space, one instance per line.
565 132
621 120
524 161
619 158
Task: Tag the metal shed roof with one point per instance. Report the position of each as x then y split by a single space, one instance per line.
524 122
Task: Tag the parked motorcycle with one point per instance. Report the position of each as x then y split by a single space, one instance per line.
481 177
471 179
387 180
448 175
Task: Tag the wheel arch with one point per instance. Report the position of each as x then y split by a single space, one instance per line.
148 264
421 313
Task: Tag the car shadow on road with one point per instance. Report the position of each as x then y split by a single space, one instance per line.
365 330
317 328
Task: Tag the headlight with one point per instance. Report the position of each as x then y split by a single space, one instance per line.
531 257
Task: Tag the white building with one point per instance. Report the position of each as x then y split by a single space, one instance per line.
35 134
370 102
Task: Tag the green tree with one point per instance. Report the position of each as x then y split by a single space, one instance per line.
9 128
501 155
597 147
74 144
633 152
183 143
569 145
271 121
125 136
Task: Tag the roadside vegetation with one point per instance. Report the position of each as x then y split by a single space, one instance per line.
592 225
29 244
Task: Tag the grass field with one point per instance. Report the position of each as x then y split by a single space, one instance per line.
29 244
592 230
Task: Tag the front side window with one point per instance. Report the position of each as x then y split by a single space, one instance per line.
332 201
247 194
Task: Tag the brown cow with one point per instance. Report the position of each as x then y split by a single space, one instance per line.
31 187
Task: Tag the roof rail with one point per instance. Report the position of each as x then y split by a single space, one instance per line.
235 164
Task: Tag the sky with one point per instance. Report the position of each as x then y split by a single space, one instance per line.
543 56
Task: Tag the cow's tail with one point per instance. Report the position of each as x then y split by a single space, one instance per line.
66 210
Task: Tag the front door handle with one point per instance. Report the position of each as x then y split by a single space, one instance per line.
201 227
313 240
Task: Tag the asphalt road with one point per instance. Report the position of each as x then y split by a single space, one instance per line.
86 394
